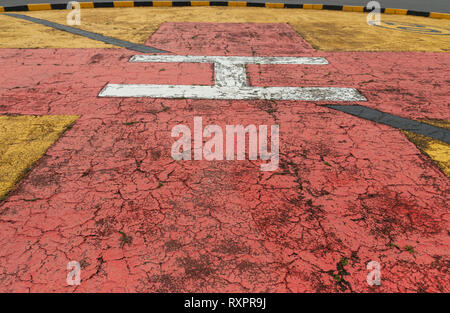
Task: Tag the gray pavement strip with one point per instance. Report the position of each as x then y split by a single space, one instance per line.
434 132
90 35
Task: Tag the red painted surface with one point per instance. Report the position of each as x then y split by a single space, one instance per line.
225 226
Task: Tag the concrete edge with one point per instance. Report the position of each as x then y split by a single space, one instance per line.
123 4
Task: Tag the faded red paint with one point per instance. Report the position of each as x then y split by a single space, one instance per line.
346 187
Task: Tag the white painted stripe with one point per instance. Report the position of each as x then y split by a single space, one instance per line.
230 59
232 93
231 81
230 75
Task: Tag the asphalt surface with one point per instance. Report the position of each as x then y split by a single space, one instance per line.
348 191
418 5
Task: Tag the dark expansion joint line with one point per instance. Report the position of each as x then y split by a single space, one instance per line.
424 129
90 35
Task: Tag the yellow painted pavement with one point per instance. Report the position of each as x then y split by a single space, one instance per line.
325 30
24 140
437 150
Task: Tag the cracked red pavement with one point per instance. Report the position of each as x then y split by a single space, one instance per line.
346 187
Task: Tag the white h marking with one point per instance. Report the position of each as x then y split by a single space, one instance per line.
231 82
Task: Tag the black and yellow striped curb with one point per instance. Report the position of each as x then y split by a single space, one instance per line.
121 4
